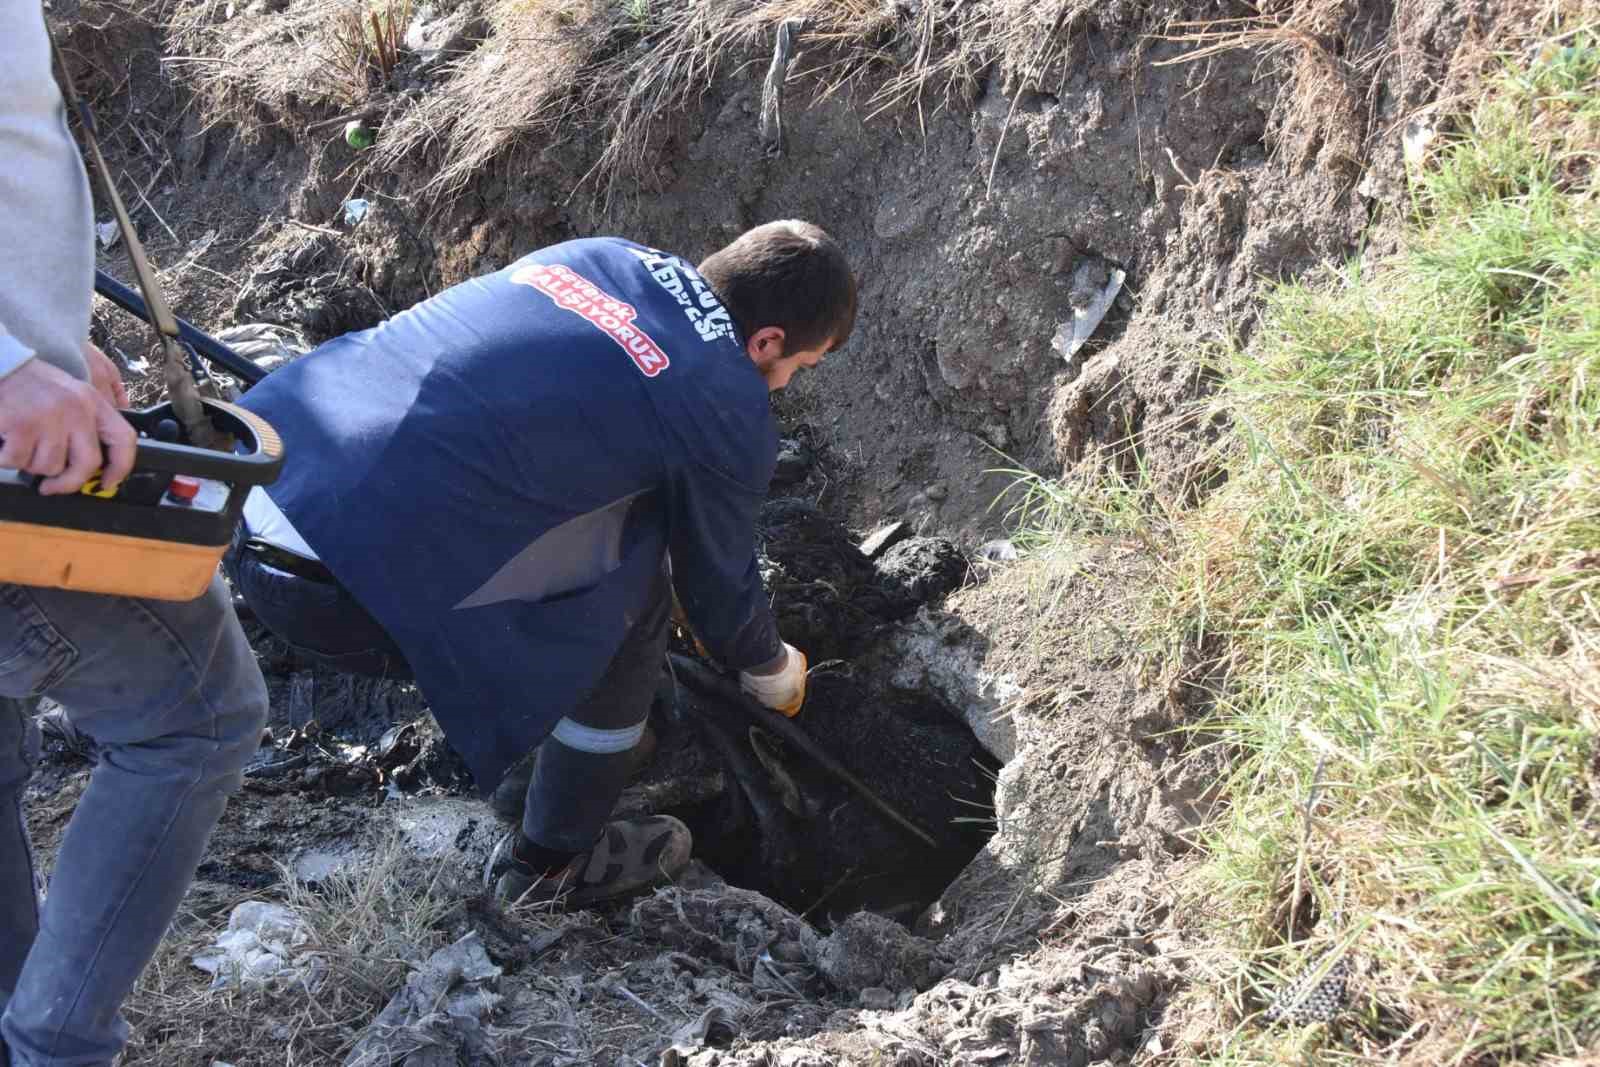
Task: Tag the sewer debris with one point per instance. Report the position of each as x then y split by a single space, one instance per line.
795 460
259 946
358 135
998 551
884 538
442 1009
1319 995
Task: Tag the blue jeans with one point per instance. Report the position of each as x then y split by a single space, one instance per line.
317 618
173 697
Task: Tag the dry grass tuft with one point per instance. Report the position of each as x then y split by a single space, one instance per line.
365 47
585 69
600 78
368 927
271 68
1322 117
519 82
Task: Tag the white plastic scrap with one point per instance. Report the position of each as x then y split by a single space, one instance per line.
1419 134
355 211
259 946
1090 302
110 233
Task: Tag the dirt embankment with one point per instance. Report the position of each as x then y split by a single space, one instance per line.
1063 144
1022 156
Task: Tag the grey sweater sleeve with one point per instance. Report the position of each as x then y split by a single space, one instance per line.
46 214
13 353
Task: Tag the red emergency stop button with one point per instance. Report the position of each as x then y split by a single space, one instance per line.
184 488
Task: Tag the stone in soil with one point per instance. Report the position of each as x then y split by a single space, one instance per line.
922 568
885 537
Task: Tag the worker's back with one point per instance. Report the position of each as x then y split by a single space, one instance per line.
494 472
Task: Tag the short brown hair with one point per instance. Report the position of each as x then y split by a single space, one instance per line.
789 274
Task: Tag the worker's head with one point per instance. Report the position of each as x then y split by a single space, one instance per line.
790 290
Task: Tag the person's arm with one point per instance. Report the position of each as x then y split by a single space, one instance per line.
714 567
720 589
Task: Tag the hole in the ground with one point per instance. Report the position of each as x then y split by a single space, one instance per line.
765 813
785 825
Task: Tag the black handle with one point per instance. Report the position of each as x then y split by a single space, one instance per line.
258 464
202 342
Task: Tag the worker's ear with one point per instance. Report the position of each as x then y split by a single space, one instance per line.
765 346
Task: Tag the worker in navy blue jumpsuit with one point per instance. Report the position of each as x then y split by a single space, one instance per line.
489 490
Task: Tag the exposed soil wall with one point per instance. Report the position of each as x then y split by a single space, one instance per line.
968 219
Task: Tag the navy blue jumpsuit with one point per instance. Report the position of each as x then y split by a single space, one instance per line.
498 473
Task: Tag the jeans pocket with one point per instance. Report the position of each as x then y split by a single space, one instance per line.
33 653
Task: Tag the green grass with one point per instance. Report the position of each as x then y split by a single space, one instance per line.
1404 570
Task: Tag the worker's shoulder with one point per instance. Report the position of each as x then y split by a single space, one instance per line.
720 419
599 248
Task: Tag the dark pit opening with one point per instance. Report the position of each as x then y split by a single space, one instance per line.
783 825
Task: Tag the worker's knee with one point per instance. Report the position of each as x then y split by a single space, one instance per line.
231 700
239 729
194 710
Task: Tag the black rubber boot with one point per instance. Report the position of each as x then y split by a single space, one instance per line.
510 797
632 855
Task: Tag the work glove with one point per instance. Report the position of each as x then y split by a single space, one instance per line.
783 692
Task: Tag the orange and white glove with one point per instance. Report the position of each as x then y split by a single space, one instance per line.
784 691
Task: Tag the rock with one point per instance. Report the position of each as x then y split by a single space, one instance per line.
902 216
884 538
923 568
794 463
937 491
938 653
877 998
